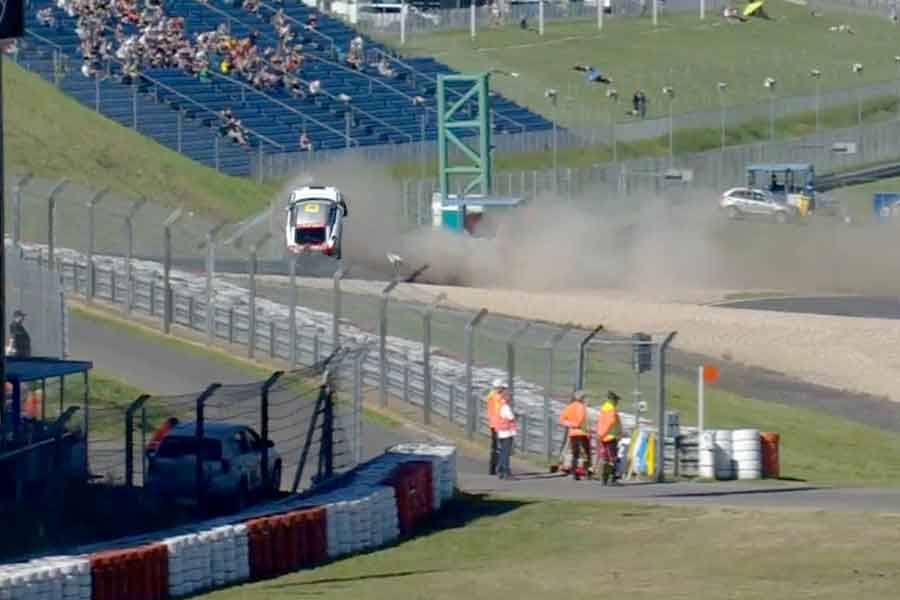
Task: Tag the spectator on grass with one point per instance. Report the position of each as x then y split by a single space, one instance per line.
592 75
639 104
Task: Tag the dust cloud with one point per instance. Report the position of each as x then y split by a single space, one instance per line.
601 241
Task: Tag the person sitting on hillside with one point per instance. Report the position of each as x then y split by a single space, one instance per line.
592 75
731 14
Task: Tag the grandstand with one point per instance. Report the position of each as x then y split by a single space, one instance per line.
178 109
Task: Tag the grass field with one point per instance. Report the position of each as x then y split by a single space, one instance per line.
52 136
489 548
636 56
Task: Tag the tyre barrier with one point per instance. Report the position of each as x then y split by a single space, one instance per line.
369 507
741 454
50 578
287 542
140 573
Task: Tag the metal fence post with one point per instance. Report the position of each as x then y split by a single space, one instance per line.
511 360
471 404
336 313
426 358
51 213
91 232
129 234
251 306
661 403
168 309
550 348
579 376
199 422
264 426
17 209
292 313
406 378
357 405
129 438
230 324
382 342
210 243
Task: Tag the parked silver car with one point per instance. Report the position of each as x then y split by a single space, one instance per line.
741 202
232 465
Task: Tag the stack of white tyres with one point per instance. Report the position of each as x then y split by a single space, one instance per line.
707 455
722 444
206 559
747 453
48 578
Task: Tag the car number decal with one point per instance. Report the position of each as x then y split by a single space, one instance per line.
311 208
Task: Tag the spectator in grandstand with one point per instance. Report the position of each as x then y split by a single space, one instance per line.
355 53
46 17
130 73
251 6
315 86
592 75
232 128
418 101
305 143
312 22
384 68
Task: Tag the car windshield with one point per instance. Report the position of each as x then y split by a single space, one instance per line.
312 213
176 446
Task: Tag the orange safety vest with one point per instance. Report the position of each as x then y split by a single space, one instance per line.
159 436
609 427
494 403
575 418
504 424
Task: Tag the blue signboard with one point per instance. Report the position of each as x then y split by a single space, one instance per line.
886 204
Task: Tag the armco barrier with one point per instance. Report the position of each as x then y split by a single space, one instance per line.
364 509
140 573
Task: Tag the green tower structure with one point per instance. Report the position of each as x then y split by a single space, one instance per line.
454 118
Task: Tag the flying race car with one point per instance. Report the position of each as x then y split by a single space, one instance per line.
315 215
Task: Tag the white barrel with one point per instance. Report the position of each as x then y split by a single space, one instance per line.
707 455
722 448
747 453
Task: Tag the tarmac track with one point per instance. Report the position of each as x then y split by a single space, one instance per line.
168 369
871 307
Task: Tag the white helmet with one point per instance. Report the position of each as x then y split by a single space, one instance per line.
499 383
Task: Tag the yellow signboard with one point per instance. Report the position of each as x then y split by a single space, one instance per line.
311 208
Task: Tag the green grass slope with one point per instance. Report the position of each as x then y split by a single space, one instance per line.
683 52
52 136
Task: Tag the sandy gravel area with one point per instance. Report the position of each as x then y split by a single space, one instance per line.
859 355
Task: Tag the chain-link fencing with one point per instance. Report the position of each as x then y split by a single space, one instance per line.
37 292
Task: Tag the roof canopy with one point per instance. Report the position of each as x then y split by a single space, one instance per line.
35 369
780 167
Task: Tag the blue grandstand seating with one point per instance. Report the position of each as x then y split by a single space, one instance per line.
178 110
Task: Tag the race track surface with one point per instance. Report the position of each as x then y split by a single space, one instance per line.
844 306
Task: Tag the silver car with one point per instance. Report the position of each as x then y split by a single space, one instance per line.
744 202
232 465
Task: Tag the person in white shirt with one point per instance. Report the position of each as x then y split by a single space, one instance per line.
506 435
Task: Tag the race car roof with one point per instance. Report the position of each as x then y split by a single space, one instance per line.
780 167
319 192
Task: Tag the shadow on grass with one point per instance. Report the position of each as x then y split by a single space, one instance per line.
354 578
465 509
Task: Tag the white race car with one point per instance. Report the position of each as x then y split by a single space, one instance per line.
315 215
